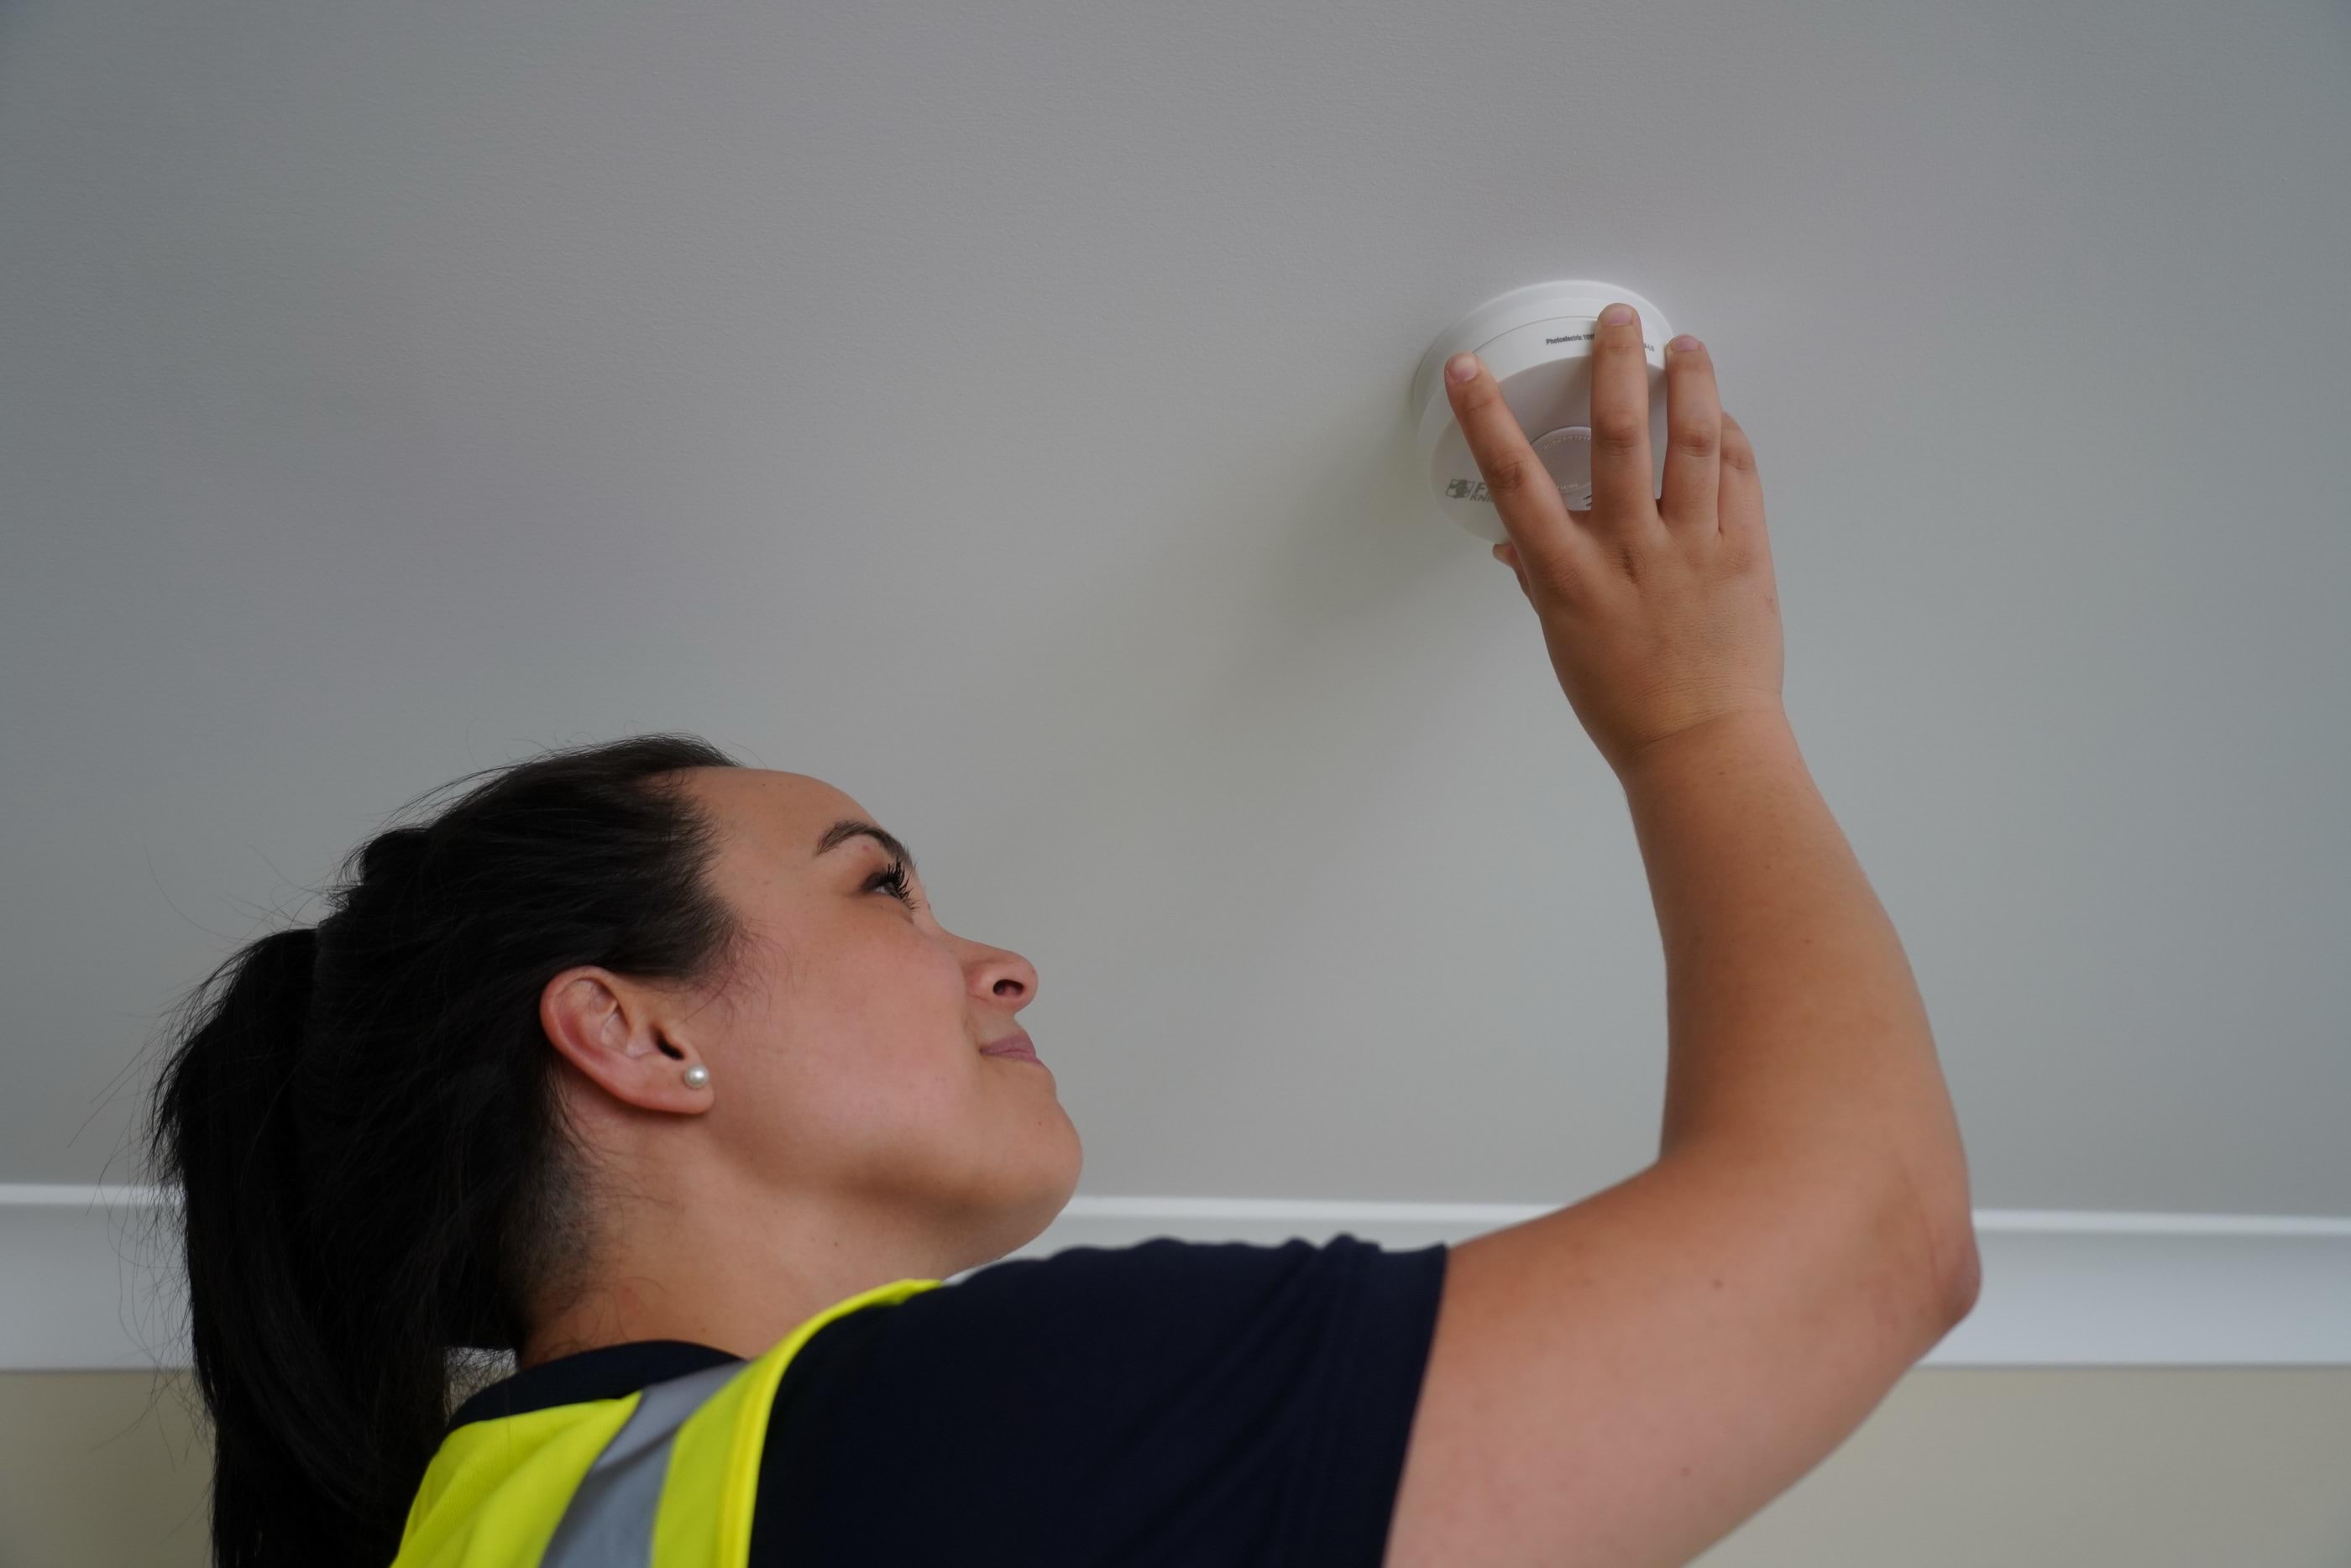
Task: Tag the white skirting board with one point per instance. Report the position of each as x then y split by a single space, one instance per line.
88 1275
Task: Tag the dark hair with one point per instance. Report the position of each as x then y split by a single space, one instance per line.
374 1172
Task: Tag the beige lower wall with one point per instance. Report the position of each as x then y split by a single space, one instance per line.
2158 1469
2101 1467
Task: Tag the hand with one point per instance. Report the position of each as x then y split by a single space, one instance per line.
1659 615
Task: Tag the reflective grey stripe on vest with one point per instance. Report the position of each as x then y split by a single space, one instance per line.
609 1522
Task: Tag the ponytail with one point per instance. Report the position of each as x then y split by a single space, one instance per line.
275 1408
374 1173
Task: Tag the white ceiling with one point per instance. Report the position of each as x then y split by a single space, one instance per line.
997 412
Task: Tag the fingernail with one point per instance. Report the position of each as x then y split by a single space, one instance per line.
1682 344
1461 366
1617 315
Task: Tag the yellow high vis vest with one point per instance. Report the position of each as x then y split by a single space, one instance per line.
666 1476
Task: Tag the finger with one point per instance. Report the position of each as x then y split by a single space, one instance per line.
1620 425
1693 439
1534 512
1741 500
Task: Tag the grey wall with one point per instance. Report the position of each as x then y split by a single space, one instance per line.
997 412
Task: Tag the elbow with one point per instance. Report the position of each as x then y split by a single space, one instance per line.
1943 1227
1960 1273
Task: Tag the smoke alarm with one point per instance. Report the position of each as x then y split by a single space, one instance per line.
1537 343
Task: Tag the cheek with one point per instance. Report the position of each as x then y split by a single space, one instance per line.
880 1091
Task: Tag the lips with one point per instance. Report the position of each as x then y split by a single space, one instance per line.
1012 1046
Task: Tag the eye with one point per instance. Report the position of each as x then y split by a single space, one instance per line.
894 879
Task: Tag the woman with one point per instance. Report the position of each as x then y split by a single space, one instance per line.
661 1073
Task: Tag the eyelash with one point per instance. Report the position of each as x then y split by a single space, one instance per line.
894 879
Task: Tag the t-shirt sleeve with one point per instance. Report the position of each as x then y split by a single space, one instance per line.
1171 1402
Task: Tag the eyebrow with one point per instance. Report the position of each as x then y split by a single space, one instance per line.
850 827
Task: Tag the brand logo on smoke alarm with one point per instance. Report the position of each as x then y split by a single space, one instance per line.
1578 496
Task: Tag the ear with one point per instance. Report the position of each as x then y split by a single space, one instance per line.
607 1027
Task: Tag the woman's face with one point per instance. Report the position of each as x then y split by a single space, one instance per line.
846 1075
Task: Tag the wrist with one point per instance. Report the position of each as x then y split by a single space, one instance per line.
1738 728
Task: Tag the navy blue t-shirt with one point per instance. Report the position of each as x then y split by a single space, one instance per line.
1173 1402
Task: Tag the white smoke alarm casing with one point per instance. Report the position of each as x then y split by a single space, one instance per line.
1537 343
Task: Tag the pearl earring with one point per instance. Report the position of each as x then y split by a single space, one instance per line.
696 1075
